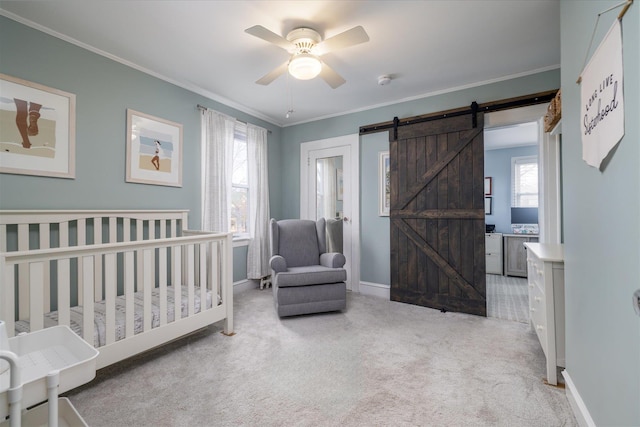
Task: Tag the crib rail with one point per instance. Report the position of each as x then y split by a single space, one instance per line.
199 261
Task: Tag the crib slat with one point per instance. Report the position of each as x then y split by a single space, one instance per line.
172 227
36 300
97 267
113 230
177 281
190 277
139 237
64 234
23 273
129 285
8 296
88 277
82 241
110 285
45 243
146 321
64 292
214 281
3 238
203 277
162 275
163 284
126 230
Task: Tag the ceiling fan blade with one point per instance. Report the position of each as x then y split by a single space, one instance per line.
267 35
351 37
332 78
274 74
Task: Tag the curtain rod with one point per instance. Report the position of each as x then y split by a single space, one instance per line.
203 108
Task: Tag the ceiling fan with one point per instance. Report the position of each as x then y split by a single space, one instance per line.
306 46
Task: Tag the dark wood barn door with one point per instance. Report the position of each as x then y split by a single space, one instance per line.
437 215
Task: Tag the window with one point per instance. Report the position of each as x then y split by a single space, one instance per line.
524 182
240 184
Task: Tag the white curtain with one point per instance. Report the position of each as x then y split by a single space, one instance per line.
258 251
217 150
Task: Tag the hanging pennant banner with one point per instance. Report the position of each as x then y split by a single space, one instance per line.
602 102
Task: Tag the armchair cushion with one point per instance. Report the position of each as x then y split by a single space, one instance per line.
278 264
309 275
332 260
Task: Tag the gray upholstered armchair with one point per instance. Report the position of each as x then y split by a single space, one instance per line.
305 278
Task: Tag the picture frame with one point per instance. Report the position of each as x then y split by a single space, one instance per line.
488 202
154 150
38 130
487 186
339 185
384 184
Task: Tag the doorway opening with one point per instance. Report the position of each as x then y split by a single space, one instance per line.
516 159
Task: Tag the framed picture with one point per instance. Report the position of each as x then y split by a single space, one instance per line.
384 184
339 185
37 129
487 205
154 150
487 185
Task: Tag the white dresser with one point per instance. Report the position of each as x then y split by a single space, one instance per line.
546 302
493 252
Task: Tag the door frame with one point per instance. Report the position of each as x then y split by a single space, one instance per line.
549 166
351 172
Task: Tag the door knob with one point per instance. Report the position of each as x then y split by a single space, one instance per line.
345 219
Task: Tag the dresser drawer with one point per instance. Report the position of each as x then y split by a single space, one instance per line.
538 313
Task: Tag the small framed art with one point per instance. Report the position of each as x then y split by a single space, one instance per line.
154 150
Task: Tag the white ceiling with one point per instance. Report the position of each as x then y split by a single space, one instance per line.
426 46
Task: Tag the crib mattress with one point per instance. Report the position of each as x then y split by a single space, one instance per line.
99 323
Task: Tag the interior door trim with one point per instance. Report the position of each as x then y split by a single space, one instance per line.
353 142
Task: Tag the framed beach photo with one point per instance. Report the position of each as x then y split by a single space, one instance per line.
37 129
384 184
154 150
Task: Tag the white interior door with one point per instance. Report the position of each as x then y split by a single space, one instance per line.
329 188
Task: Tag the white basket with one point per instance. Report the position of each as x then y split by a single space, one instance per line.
43 351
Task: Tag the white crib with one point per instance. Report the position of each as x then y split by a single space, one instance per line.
125 281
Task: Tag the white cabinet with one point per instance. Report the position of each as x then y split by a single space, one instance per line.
493 251
546 302
515 259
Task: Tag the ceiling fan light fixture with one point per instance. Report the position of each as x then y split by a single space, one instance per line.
305 66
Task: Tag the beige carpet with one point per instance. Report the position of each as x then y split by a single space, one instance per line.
379 363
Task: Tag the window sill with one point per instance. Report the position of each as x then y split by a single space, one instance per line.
241 241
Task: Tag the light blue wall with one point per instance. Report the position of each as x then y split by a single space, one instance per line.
602 229
497 165
104 90
374 231
349 124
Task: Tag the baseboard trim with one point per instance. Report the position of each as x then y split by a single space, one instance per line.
580 410
246 284
375 289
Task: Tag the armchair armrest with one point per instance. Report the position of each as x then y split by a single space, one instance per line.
278 264
332 260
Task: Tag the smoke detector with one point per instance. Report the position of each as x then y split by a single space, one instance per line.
384 79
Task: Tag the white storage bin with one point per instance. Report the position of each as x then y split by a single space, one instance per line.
43 351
